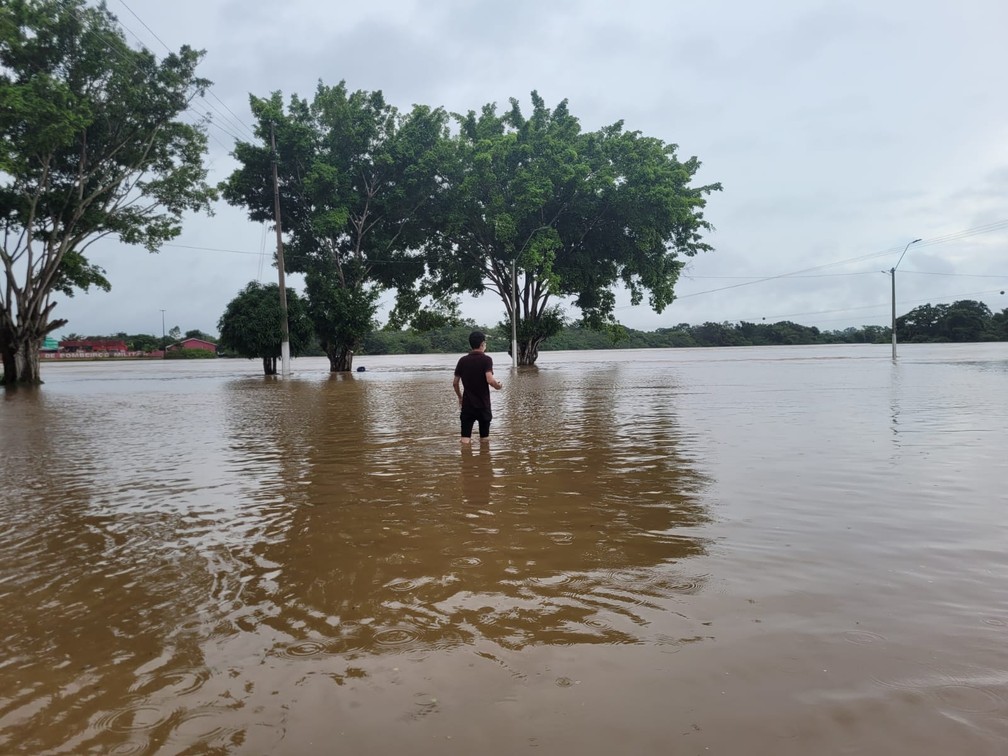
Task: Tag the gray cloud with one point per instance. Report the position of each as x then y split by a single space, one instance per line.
839 130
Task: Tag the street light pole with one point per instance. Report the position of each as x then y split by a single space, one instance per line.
892 274
284 323
164 340
514 317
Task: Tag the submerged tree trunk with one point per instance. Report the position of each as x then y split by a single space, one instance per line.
20 360
528 351
340 358
269 365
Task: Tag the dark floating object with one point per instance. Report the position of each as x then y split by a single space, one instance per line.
360 369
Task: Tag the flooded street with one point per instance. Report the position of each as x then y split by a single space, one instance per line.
789 550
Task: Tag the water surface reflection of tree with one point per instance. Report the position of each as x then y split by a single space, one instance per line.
577 530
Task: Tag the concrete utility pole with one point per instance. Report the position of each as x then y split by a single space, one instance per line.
284 325
164 340
514 317
892 273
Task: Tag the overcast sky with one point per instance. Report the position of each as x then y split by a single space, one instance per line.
840 131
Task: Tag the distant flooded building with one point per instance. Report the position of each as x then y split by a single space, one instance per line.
206 346
94 347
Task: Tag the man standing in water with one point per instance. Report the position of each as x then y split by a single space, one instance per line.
475 373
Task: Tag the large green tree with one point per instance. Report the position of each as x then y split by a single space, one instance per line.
963 320
92 144
541 211
967 320
999 325
252 324
358 185
922 323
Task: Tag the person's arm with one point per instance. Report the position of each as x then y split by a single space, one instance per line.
493 381
458 390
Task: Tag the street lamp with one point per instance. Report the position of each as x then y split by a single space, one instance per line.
514 318
164 340
892 274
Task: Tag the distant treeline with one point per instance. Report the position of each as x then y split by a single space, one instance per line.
964 321
961 321
453 339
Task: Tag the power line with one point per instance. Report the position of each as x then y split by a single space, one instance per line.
406 261
882 305
944 239
233 121
153 33
262 252
956 236
958 275
112 44
848 275
237 119
755 279
213 249
975 231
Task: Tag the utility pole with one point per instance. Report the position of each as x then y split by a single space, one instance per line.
284 325
892 273
514 317
164 339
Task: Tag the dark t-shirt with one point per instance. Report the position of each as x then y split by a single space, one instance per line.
472 369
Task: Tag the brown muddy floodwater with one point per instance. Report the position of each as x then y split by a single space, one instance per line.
795 550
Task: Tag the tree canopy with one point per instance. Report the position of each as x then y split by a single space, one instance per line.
358 184
963 320
540 210
251 325
530 208
92 144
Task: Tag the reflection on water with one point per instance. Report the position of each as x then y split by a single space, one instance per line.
404 541
148 523
199 559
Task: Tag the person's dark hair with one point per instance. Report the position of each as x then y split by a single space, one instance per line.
476 338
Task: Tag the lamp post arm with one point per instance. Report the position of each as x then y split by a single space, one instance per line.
904 252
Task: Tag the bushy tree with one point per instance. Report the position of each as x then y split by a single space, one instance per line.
967 320
251 325
540 211
963 320
92 145
922 323
142 342
999 325
359 182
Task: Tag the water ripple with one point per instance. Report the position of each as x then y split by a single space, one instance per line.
129 719
396 636
862 637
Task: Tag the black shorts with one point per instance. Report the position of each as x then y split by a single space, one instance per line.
469 416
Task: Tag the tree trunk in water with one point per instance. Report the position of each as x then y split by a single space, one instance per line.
528 351
269 365
20 361
340 358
